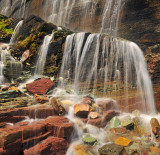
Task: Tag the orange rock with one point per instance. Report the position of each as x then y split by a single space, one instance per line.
122 141
93 115
81 110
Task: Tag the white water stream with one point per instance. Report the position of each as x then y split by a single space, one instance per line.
42 55
116 64
16 32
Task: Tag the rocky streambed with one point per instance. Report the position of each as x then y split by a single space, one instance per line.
51 120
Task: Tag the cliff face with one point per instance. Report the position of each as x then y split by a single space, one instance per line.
140 22
139 19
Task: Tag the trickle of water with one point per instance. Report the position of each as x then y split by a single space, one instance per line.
42 55
110 63
16 32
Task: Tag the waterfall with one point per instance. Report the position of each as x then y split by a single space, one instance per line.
113 64
42 55
16 32
110 17
63 11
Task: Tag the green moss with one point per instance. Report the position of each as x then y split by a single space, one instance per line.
3 28
25 42
33 47
20 38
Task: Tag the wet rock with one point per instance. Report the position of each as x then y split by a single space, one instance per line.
9 94
107 104
93 115
66 104
135 147
51 145
122 141
115 122
59 126
111 149
12 69
136 113
87 100
138 125
87 139
155 127
25 55
41 99
127 122
81 110
57 106
107 116
120 130
40 86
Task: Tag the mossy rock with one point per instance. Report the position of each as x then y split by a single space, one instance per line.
87 139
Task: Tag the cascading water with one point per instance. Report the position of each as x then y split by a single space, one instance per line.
42 55
62 14
110 17
16 32
109 63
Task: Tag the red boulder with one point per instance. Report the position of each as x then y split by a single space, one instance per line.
41 86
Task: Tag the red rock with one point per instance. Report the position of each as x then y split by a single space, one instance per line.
59 126
41 99
81 110
9 135
86 100
106 104
51 145
96 122
41 86
107 116
34 140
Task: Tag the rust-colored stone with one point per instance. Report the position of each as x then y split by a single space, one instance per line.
41 86
51 145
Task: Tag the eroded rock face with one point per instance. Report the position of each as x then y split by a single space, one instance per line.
41 86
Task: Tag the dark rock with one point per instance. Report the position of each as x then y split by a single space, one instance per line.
109 149
41 86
